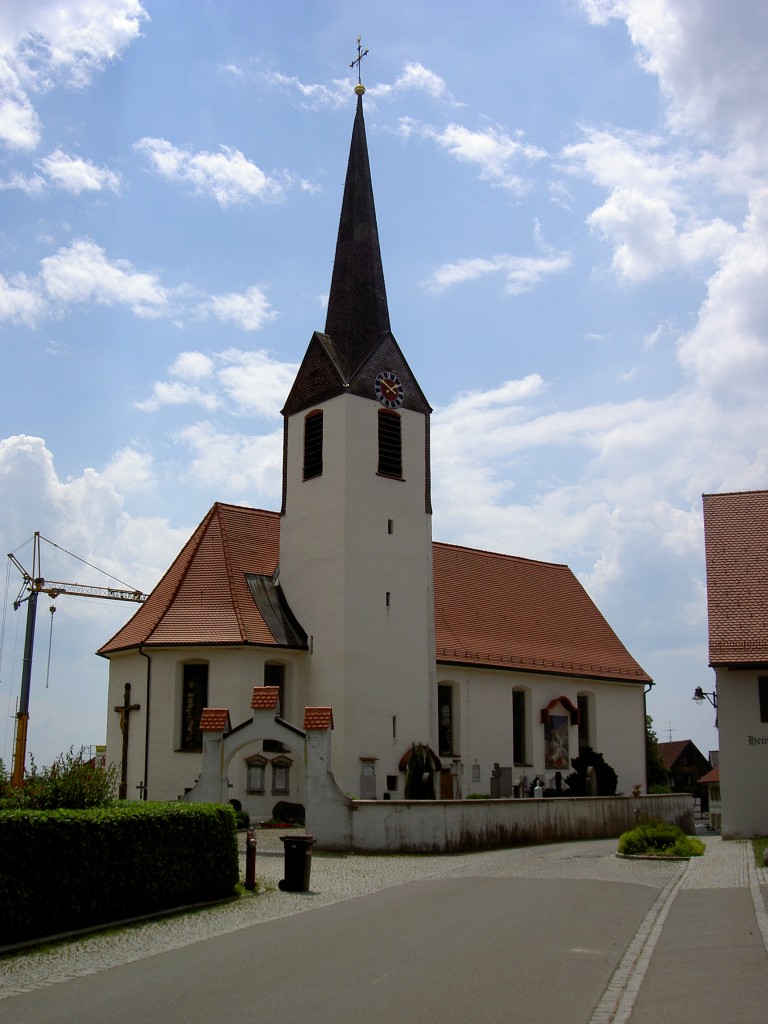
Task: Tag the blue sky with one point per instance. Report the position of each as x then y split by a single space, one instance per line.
572 202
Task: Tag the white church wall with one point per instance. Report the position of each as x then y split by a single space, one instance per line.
743 754
485 725
232 674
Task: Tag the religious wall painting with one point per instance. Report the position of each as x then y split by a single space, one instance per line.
556 755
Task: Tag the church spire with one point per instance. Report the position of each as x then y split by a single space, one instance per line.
358 316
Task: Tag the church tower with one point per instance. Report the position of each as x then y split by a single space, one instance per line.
356 534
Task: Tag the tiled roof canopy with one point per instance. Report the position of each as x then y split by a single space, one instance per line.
204 597
497 611
508 612
736 543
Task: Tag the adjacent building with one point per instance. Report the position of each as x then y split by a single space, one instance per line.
736 544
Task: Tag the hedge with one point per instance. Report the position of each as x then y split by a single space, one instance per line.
62 870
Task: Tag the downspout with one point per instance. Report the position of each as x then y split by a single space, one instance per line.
144 794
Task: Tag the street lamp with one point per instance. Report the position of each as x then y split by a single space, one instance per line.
699 696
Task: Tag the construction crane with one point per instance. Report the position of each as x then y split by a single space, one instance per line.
33 584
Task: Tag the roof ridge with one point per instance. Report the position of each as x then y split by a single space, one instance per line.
499 554
230 575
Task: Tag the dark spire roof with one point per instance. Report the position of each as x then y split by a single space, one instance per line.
357 342
358 316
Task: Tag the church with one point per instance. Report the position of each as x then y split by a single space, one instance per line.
501 665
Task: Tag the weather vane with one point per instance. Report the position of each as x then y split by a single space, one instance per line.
359 60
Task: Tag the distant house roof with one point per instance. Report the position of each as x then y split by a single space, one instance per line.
711 776
736 543
498 611
672 751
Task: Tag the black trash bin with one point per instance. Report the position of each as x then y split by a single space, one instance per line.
298 863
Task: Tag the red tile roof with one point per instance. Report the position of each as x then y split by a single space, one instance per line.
318 718
493 610
736 543
509 612
215 720
204 598
265 698
713 776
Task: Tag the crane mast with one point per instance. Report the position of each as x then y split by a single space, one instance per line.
35 584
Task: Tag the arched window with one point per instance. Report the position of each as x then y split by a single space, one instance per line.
520 728
390 444
313 444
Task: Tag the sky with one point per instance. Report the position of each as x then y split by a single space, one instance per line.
572 200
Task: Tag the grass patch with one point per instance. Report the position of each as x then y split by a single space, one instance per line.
759 845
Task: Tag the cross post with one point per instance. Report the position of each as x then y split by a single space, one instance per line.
359 59
124 711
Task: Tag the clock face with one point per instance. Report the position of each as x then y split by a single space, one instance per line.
388 389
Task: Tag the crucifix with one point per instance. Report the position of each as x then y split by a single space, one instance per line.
124 710
359 59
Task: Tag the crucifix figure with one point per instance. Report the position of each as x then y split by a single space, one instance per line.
124 710
359 59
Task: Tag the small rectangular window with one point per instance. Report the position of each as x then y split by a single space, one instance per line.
390 526
762 690
313 445
390 444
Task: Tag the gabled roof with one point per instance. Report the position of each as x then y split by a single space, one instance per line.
509 612
204 598
736 543
493 610
672 750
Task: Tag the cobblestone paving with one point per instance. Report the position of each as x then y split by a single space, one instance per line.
342 877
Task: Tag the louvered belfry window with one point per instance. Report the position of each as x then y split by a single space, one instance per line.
390 444
313 445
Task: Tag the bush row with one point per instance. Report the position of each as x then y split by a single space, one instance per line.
66 869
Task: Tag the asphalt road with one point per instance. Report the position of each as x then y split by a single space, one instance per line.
450 950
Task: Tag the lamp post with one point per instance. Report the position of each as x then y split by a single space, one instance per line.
700 695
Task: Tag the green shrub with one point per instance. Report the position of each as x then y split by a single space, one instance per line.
70 782
660 839
69 869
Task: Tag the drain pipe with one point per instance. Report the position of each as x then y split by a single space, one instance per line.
144 793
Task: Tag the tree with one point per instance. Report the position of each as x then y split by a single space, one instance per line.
655 772
419 776
607 778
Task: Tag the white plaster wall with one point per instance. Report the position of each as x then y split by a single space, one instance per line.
371 661
232 675
485 726
743 754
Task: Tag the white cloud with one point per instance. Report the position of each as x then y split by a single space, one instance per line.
241 463
522 273
76 175
45 43
256 382
243 383
416 78
249 310
313 95
227 176
708 58
494 151
82 273
20 301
